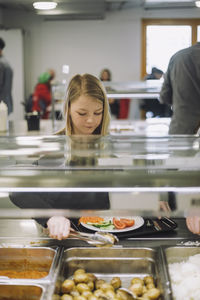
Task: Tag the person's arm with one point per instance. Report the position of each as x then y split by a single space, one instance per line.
32 200
166 90
193 224
58 226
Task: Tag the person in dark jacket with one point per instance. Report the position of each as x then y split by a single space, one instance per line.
6 79
87 114
181 90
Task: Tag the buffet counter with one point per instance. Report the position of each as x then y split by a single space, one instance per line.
38 266
124 165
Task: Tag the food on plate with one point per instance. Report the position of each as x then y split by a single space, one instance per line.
91 220
111 224
128 222
102 290
118 224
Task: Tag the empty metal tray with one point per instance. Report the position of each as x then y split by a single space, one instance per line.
180 254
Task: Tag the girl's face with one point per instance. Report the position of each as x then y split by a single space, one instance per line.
86 115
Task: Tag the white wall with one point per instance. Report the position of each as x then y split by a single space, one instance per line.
87 46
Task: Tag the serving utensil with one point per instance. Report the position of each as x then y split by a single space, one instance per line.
157 226
101 238
129 293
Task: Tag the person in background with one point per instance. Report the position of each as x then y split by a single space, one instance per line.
6 79
87 114
153 105
181 90
105 75
42 96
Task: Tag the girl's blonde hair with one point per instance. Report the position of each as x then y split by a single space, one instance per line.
91 86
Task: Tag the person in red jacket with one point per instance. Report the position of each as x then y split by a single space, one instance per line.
42 96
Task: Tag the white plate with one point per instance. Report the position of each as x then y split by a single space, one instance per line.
139 221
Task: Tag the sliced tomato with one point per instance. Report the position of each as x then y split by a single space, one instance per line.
118 224
128 222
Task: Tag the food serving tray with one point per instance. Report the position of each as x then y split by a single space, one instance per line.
106 263
179 254
28 264
21 292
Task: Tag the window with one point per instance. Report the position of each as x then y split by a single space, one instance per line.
162 38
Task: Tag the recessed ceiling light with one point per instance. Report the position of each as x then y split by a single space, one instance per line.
197 3
45 5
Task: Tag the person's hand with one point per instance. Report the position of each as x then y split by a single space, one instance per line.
164 206
193 224
59 227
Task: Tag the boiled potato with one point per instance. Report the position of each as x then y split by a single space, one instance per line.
80 298
122 295
91 277
144 289
74 292
90 284
99 293
137 280
87 293
81 287
153 294
79 271
144 297
66 297
98 283
81 278
116 282
93 297
110 295
136 289
106 286
150 286
67 286
148 279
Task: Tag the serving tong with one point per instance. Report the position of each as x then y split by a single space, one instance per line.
97 238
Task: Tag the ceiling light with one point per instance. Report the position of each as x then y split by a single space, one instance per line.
45 5
197 3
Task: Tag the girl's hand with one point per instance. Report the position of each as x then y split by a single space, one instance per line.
59 227
193 224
